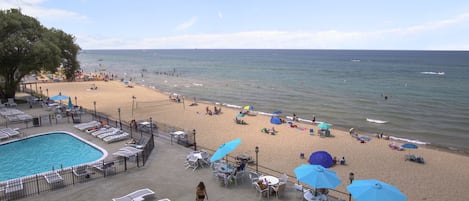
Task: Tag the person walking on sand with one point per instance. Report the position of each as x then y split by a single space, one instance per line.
201 192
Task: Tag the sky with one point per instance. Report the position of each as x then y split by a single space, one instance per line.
256 24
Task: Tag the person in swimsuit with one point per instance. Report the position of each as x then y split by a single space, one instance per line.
201 192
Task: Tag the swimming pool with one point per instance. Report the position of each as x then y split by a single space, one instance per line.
42 152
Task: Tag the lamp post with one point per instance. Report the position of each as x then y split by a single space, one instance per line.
120 122
47 91
76 101
257 163
151 127
195 143
94 103
133 103
40 91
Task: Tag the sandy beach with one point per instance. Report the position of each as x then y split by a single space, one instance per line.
444 176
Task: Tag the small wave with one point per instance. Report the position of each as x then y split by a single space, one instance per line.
232 106
198 84
408 140
432 73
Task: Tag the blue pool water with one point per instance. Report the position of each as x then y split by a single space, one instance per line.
40 153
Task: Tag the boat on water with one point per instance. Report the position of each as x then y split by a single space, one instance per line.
376 121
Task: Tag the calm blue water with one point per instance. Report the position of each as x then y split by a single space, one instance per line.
342 87
39 154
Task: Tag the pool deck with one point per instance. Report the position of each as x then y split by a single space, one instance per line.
164 173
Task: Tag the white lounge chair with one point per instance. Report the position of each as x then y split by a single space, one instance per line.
54 178
3 135
81 172
131 149
114 131
115 138
127 152
88 125
141 194
10 131
102 131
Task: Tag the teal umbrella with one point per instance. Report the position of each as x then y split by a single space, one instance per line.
59 97
225 149
374 190
324 126
317 176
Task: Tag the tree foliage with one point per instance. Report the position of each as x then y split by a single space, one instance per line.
27 47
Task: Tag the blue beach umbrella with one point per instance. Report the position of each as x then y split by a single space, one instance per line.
59 97
321 158
317 176
374 190
324 126
225 149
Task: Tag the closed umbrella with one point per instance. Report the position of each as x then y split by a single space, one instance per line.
70 104
317 176
374 190
225 149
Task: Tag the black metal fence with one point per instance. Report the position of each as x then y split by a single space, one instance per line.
33 185
36 184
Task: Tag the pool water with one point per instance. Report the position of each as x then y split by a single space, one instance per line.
41 153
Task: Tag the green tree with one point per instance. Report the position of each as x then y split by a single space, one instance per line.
27 47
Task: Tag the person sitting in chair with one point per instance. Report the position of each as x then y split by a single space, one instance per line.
342 161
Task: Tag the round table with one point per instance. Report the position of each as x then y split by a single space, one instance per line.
225 168
271 180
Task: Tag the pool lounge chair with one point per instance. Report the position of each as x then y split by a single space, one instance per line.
81 172
87 125
12 132
113 131
54 178
3 136
141 194
115 138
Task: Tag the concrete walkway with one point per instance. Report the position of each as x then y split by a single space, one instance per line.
165 174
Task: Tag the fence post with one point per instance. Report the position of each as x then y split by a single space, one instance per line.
125 164
73 178
138 164
37 184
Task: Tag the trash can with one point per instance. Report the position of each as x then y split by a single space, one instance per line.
36 122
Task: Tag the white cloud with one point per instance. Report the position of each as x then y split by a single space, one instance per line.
220 15
33 8
187 25
399 38
434 25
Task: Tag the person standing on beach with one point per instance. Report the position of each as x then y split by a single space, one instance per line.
201 192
